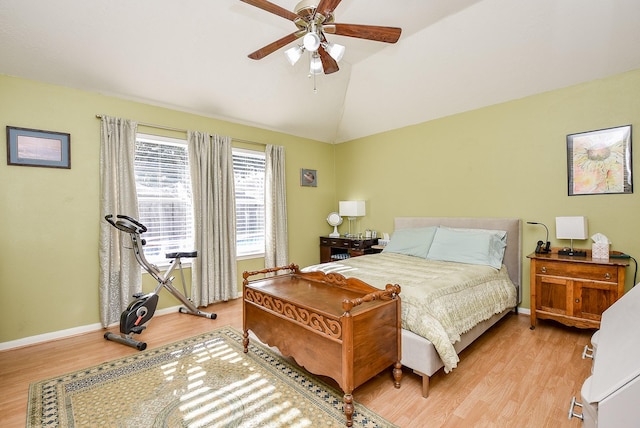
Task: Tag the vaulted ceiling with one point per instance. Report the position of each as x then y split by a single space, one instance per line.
452 56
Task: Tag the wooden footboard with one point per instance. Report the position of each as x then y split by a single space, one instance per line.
341 328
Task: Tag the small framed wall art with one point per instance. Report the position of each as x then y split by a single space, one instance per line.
308 177
599 162
33 147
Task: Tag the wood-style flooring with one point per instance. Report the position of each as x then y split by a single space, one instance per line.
511 376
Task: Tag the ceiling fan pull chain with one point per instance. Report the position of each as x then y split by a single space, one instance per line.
315 89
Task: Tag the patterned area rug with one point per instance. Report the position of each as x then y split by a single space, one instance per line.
203 381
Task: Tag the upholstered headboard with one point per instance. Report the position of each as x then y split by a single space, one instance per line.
513 227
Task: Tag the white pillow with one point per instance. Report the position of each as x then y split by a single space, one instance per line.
473 246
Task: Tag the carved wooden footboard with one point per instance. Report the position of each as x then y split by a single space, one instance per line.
332 326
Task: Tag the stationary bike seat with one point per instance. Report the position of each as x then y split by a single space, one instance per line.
188 254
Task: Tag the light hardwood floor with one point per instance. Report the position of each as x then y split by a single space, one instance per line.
511 376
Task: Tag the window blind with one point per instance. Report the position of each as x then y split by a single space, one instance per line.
249 179
163 184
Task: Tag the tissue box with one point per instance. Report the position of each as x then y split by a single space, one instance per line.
600 251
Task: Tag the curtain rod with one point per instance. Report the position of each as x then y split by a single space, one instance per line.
168 128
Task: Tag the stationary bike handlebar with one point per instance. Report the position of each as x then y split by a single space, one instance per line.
134 228
126 224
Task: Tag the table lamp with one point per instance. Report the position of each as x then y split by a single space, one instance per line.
572 228
351 210
542 247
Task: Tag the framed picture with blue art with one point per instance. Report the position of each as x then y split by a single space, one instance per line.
34 147
599 162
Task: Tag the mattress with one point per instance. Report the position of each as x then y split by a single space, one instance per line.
440 300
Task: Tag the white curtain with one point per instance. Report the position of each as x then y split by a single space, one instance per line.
276 238
120 274
213 272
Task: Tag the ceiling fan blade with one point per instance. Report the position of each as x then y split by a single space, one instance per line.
272 47
326 7
273 8
370 32
329 65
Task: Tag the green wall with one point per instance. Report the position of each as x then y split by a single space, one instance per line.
507 160
49 217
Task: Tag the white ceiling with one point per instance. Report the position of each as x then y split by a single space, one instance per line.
453 56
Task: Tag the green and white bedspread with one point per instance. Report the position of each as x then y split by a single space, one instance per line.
440 300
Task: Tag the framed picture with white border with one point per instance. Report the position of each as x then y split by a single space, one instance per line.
599 162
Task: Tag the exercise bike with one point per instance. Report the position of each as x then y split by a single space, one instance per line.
140 311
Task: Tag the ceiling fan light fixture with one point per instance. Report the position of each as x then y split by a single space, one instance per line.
294 54
335 50
315 66
314 19
311 41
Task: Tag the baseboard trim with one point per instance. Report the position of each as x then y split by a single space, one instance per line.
63 334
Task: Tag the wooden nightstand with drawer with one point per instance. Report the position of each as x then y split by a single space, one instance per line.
574 291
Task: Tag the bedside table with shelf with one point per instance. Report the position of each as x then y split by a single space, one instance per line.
574 291
332 249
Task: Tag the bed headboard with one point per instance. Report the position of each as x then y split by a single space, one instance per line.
513 226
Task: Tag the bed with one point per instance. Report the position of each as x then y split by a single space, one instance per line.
430 346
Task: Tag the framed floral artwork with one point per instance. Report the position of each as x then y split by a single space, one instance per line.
599 162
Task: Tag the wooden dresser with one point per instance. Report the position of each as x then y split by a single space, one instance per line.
332 326
574 290
332 249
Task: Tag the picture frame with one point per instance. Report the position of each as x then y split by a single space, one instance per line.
34 147
308 177
599 162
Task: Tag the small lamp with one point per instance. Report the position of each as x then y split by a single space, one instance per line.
351 210
311 41
315 65
335 50
572 228
542 247
294 54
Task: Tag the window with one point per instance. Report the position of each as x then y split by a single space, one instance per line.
163 183
249 175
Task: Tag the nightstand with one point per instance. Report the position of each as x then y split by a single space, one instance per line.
574 291
332 249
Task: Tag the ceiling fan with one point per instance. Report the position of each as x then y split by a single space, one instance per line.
314 19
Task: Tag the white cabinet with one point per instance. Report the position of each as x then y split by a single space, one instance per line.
611 396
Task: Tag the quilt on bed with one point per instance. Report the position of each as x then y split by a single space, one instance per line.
440 300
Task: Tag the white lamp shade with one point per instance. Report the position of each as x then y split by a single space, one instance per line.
315 66
294 54
352 208
311 42
572 227
336 51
